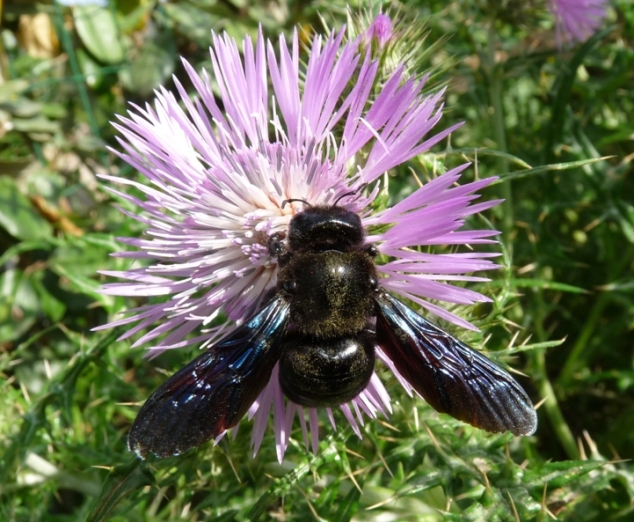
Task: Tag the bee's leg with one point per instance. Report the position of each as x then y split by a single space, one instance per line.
278 248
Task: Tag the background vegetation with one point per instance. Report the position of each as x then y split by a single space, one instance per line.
566 291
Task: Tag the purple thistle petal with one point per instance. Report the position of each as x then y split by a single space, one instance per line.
380 29
357 411
314 429
331 418
388 362
577 20
302 422
259 411
347 413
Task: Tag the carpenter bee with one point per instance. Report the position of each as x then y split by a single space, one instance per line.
322 325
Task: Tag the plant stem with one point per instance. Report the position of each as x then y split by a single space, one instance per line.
546 391
499 134
538 358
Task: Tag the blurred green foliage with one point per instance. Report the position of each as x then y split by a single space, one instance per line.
68 395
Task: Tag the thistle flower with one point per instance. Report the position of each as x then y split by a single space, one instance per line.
577 20
220 166
380 29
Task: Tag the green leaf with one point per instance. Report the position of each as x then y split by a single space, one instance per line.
151 66
546 168
53 110
625 285
26 246
61 392
559 474
192 20
10 89
37 124
51 306
564 89
625 218
530 347
477 152
348 506
284 484
22 107
19 305
82 283
17 215
133 15
77 260
90 69
97 28
121 481
541 283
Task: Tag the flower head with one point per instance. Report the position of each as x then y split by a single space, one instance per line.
221 165
577 20
380 29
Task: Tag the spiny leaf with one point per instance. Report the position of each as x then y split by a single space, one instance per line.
518 174
121 481
559 474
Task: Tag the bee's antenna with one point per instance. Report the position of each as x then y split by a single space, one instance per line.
292 200
351 193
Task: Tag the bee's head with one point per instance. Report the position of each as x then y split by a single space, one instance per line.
325 228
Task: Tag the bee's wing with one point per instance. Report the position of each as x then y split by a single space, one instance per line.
214 391
451 376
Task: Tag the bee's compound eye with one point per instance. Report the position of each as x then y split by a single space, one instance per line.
290 286
374 282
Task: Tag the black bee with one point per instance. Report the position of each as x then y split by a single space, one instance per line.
322 325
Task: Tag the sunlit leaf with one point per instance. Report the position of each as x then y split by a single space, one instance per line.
97 28
17 215
150 66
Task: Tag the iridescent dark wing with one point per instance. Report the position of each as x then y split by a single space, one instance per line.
449 375
215 390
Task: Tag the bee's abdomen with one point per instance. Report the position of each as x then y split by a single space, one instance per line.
326 373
